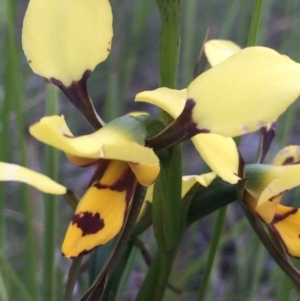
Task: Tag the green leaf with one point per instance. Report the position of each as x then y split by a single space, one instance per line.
210 199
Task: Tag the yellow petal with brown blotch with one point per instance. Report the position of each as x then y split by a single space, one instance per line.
100 213
286 180
63 39
220 154
288 155
286 225
170 100
13 172
110 142
218 51
245 92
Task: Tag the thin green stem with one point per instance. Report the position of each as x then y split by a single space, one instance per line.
50 207
157 277
212 252
72 278
254 28
190 9
13 96
169 47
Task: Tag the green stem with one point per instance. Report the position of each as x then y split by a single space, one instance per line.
189 42
169 47
212 251
256 15
157 277
50 207
72 278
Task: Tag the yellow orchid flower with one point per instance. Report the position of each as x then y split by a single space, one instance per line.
243 93
121 159
64 41
266 185
17 173
218 51
220 153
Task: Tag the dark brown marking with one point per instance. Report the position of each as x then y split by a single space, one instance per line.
30 61
183 128
125 182
108 49
78 95
84 252
288 160
68 136
267 138
88 222
279 217
99 171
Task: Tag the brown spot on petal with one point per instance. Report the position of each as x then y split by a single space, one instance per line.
88 222
288 160
108 49
279 217
30 61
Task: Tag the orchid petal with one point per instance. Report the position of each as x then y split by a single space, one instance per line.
270 197
288 155
220 154
13 172
204 180
245 92
259 176
218 51
145 174
170 100
64 39
286 225
101 212
119 139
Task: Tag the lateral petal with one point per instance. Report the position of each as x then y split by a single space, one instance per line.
145 174
286 225
189 180
288 155
63 39
13 172
221 155
100 213
218 51
121 139
268 200
170 100
245 92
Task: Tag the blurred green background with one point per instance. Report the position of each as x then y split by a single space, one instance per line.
242 270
